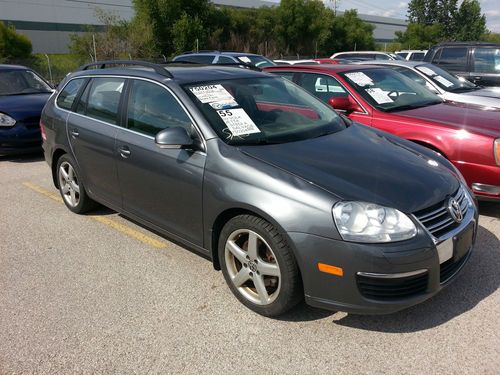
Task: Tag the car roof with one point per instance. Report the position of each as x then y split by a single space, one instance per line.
407 63
334 68
467 44
226 53
381 52
180 73
13 67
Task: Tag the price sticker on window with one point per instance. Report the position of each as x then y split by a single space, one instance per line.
238 122
211 93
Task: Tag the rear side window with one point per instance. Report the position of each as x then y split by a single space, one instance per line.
225 60
417 56
379 56
199 59
322 86
68 94
151 108
104 99
487 60
453 58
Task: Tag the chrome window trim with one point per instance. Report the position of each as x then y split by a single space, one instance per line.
392 275
330 76
198 131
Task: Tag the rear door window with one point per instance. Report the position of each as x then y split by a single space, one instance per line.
454 58
225 60
417 56
68 94
104 99
487 60
199 59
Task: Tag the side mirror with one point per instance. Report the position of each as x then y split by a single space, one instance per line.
344 103
175 137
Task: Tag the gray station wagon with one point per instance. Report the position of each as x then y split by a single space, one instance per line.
286 197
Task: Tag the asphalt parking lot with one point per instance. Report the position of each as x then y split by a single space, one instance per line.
98 293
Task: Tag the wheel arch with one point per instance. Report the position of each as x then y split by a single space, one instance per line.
56 155
226 215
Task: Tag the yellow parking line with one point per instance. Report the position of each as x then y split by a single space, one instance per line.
125 229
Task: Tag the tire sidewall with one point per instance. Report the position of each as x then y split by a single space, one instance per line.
80 207
285 299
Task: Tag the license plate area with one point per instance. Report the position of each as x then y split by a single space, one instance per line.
457 246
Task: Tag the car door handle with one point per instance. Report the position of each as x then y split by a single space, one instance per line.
75 133
124 152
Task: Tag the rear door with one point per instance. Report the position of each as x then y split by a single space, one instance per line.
454 59
92 132
485 66
162 186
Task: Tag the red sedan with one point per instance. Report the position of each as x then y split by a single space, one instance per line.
469 136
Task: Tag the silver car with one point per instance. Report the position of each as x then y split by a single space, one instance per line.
446 85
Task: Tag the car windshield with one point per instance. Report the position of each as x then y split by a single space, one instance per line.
263 111
445 80
388 90
21 82
256 60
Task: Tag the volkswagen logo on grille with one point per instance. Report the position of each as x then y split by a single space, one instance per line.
455 210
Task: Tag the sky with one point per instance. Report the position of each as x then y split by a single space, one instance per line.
398 9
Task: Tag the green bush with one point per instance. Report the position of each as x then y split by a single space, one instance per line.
13 44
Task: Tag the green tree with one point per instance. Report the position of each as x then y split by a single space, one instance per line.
419 36
472 24
300 25
347 32
12 44
162 16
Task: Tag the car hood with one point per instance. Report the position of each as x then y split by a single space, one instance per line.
359 163
23 106
473 118
489 92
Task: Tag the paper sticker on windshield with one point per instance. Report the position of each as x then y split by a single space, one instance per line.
427 71
238 122
211 93
379 95
360 79
443 81
245 59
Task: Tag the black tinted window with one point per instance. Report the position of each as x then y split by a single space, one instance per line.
152 108
104 98
199 59
453 58
417 56
487 60
225 60
68 94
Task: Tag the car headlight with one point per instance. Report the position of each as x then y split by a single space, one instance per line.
6 120
369 222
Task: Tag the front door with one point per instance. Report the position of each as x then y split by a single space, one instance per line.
161 186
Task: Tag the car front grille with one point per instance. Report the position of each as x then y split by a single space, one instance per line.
437 219
449 268
392 288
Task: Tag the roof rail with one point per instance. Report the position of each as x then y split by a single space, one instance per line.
158 68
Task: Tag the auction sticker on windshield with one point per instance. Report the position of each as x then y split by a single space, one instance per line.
211 93
360 79
379 95
238 122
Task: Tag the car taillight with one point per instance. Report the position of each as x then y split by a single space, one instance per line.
42 130
496 150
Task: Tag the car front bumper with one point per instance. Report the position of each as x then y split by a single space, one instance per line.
23 137
382 278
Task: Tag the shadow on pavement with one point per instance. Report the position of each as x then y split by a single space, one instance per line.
24 158
478 280
491 209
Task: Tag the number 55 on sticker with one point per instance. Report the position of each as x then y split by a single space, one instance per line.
238 122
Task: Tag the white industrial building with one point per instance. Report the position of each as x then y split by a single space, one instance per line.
49 23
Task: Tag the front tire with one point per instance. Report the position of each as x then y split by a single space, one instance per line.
259 266
71 187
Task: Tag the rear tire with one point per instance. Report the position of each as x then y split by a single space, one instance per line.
259 266
71 187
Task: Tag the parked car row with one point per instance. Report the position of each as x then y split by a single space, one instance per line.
347 185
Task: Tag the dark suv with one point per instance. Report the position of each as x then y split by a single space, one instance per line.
474 61
251 171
